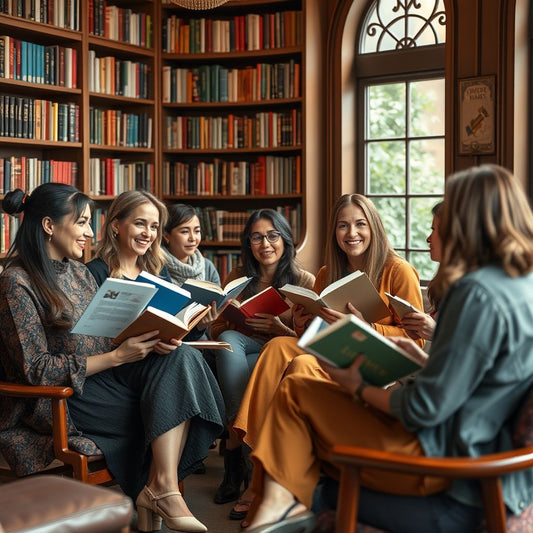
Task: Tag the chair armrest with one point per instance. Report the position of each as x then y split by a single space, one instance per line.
491 465
34 391
487 469
58 397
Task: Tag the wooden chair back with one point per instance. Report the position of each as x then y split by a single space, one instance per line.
487 469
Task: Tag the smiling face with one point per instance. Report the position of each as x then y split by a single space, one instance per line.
353 234
70 236
267 253
435 244
183 240
137 232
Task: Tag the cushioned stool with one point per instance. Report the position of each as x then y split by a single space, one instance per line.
47 504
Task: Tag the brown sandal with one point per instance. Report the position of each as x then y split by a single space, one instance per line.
234 514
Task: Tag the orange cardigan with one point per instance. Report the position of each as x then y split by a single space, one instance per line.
399 278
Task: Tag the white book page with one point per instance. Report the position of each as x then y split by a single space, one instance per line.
117 303
341 282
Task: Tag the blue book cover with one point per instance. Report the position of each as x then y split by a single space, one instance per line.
169 297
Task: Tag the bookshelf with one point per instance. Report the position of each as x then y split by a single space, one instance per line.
232 116
78 97
206 108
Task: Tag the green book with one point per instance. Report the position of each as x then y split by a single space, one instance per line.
340 343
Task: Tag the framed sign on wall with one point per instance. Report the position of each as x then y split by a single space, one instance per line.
477 125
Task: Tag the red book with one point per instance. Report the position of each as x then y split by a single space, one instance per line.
267 301
91 16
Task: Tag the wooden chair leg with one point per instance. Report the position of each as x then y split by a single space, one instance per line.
495 514
348 505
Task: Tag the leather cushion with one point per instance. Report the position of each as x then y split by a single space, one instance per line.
52 503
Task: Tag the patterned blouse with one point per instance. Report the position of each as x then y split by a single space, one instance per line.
37 354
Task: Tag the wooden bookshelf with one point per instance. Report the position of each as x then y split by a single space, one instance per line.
233 114
111 100
252 149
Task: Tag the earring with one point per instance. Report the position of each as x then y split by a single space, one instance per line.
50 237
115 235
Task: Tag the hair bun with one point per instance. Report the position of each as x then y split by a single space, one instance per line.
14 202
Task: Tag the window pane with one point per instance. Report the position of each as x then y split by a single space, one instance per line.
420 219
426 108
386 111
425 267
426 166
392 213
386 167
393 25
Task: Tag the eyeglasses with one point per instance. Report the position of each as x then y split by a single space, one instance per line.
271 237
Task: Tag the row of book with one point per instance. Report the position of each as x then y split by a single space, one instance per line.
43 120
62 13
224 260
267 175
110 75
112 176
97 223
234 34
215 83
114 127
269 129
220 225
8 229
36 63
26 173
120 24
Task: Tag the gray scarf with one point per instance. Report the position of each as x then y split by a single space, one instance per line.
180 272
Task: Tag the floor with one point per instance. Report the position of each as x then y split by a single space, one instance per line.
199 492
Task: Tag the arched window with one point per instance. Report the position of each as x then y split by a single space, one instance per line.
399 70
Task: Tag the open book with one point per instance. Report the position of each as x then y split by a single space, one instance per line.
401 306
340 343
169 297
116 303
207 292
355 288
119 303
169 326
268 301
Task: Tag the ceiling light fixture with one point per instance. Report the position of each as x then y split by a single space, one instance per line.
199 4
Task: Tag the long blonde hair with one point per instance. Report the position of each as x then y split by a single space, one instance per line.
485 219
122 206
378 252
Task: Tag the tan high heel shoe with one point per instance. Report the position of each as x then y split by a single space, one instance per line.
150 514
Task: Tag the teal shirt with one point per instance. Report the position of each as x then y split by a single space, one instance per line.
479 369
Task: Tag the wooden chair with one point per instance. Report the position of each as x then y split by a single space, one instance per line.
89 469
487 469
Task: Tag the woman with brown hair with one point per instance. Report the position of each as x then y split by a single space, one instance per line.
356 241
479 368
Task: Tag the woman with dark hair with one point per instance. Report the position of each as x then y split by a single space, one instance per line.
181 237
122 393
268 257
356 240
460 404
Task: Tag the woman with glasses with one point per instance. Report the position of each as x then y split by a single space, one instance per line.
268 256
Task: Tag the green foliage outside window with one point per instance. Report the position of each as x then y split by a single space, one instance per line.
404 145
